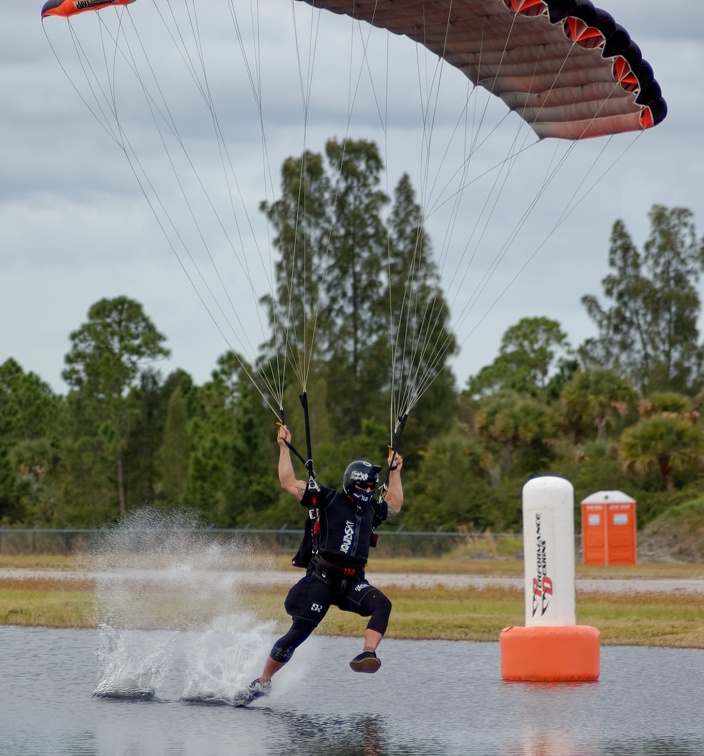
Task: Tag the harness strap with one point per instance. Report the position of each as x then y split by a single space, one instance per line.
306 417
393 448
307 463
345 570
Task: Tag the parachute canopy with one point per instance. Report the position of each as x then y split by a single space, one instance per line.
566 67
71 7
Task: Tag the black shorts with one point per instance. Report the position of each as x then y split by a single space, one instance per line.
313 595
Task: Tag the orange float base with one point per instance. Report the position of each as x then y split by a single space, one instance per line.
550 654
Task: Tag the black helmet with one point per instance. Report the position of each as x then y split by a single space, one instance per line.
359 471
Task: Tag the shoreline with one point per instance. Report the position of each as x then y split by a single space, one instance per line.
653 609
452 581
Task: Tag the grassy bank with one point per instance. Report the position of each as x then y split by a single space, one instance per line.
430 613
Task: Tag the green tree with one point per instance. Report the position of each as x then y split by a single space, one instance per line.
513 421
369 291
663 443
31 418
593 399
232 472
454 485
140 460
667 402
175 450
530 352
326 311
301 219
103 370
650 328
354 335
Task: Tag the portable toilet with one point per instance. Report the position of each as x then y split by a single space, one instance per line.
609 528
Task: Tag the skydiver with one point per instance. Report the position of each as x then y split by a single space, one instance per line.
335 573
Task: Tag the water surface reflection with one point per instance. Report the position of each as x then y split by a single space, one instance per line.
429 698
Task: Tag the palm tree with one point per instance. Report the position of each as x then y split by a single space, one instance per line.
512 420
595 397
663 442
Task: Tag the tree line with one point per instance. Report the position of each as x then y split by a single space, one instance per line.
621 411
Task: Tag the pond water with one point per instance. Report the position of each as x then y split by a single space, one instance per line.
430 697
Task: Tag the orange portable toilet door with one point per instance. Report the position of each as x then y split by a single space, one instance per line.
593 534
621 527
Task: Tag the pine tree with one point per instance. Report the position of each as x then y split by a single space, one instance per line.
103 369
650 329
31 424
372 291
354 337
175 449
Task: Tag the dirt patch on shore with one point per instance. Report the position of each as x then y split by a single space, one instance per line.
676 536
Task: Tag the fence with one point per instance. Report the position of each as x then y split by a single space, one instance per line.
391 543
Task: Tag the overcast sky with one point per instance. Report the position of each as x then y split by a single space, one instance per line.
75 227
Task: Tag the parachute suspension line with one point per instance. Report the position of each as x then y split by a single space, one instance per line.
110 66
202 83
382 112
414 365
120 138
131 155
430 115
421 369
275 381
293 353
298 356
133 160
353 88
469 150
483 213
254 74
569 208
91 80
405 358
549 176
305 348
204 89
567 211
573 203
507 244
500 185
482 284
433 312
382 108
402 335
148 197
431 316
302 352
427 112
384 117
